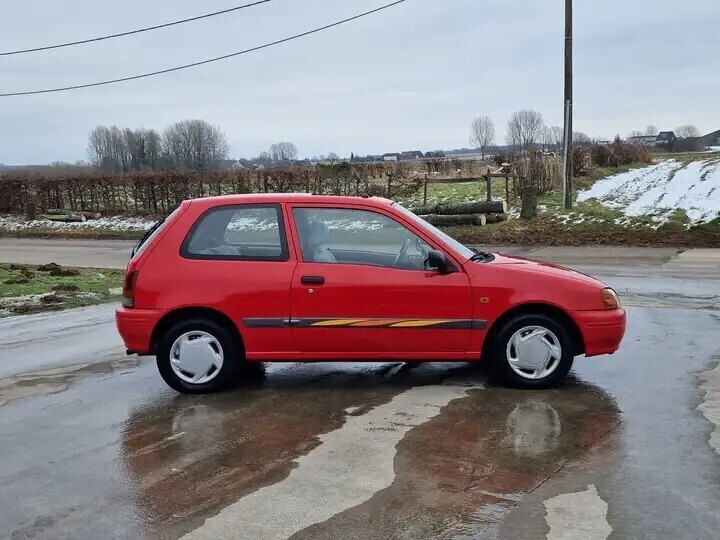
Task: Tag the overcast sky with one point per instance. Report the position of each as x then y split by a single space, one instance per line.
411 77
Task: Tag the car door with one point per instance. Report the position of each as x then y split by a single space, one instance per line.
236 259
352 298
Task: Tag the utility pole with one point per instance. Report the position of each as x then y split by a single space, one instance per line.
568 102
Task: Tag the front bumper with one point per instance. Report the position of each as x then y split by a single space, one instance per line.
602 331
136 327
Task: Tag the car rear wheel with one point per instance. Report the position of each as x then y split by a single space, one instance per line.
200 356
531 351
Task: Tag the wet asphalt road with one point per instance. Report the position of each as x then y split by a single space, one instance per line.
94 445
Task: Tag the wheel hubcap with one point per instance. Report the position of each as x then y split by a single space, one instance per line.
196 357
534 352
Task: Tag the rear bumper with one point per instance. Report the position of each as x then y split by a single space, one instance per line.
602 331
136 327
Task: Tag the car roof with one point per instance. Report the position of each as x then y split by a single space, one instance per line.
254 198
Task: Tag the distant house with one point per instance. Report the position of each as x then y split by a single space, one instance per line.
435 154
238 165
695 144
643 140
711 139
665 140
391 157
411 155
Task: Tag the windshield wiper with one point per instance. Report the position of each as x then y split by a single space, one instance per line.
480 255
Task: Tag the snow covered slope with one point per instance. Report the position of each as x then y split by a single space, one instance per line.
660 189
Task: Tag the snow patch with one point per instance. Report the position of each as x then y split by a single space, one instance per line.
113 223
663 188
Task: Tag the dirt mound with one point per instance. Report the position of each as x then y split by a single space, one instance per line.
66 287
64 272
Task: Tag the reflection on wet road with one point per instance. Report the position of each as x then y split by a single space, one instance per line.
376 451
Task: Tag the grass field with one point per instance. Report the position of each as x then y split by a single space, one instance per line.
32 288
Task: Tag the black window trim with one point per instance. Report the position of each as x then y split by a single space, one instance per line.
284 251
368 210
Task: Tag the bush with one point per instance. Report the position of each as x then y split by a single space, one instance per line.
619 153
158 193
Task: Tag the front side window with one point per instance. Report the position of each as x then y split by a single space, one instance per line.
336 235
243 232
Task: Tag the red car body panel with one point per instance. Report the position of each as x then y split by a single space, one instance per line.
361 312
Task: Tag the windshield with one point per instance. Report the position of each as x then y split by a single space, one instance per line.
466 252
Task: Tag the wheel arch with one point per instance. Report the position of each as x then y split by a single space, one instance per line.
173 317
534 308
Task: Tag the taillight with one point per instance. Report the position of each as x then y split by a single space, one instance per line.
129 288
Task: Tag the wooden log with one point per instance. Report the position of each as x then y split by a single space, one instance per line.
457 219
69 218
495 218
424 210
61 212
480 207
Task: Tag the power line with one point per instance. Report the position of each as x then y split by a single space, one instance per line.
131 32
208 61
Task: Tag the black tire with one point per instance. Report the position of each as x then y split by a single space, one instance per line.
233 368
498 352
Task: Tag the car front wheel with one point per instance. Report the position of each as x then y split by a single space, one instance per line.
198 356
532 351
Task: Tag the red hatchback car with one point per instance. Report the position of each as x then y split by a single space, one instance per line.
228 282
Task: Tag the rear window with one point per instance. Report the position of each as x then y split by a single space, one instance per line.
149 236
240 232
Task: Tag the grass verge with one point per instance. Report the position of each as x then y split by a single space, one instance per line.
32 289
548 230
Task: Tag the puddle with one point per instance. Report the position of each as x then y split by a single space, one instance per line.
51 381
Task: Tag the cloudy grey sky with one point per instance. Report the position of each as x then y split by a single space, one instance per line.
413 76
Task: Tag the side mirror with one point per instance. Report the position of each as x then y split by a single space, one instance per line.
438 261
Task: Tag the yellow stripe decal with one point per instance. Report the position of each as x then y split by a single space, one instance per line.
417 324
337 322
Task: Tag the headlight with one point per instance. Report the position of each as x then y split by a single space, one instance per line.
610 299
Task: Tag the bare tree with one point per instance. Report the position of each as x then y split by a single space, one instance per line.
635 133
333 157
283 151
686 132
525 129
651 130
153 149
581 138
482 133
106 149
194 144
554 137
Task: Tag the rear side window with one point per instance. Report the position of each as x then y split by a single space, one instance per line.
147 239
240 232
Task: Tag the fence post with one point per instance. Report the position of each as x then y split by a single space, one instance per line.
489 187
425 190
507 188
30 211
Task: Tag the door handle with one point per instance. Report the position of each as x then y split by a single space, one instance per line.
312 280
